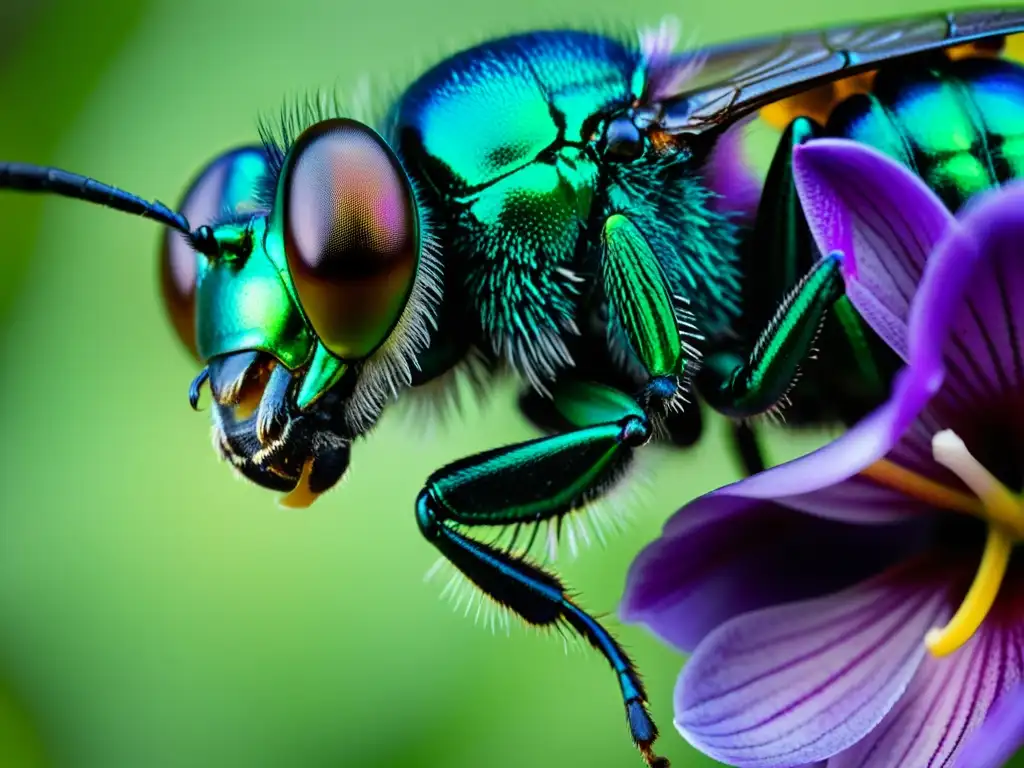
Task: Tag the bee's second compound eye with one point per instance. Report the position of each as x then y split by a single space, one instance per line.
351 235
221 186
178 286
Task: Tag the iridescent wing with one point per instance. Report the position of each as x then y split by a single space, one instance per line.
738 79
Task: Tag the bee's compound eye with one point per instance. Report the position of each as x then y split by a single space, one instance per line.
351 235
221 187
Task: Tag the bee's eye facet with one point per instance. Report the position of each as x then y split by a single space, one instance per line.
351 234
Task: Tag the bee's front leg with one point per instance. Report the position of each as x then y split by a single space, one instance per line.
527 484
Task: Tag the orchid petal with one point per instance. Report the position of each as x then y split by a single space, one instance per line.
1001 735
946 701
727 556
801 682
823 482
882 217
968 321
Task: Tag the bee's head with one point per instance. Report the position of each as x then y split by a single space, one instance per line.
306 293
312 307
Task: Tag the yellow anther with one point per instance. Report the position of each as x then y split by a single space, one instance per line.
989 500
979 599
1001 506
1005 528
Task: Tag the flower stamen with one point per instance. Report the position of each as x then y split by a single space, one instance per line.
1002 509
1001 505
979 599
892 475
989 500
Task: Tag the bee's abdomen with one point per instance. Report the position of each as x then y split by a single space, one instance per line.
958 124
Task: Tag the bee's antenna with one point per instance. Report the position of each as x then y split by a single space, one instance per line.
38 178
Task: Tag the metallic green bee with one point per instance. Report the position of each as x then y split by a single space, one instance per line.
565 208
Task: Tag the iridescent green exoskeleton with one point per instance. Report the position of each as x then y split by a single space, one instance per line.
568 209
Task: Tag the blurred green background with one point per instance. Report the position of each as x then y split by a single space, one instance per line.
153 610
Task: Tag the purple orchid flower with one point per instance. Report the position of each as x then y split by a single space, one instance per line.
860 605
1000 736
